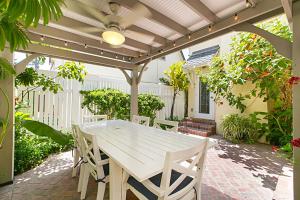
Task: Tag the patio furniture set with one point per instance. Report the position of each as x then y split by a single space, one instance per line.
153 162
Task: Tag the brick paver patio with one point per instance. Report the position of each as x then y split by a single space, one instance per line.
233 172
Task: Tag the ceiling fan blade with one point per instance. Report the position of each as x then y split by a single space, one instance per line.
137 12
102 5
94 12
90 29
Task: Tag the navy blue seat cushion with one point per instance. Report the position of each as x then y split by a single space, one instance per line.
156 181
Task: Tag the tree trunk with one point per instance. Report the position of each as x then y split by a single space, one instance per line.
173 104
186 103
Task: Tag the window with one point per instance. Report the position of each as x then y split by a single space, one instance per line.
204 98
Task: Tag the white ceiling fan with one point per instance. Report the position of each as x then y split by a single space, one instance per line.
114 25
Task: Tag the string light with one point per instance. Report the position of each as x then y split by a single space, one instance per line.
209 28
42 38
66 43
101 52
189 36
236 17
248 4
174 44
85 46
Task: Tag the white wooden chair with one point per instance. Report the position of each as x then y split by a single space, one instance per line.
141 120
95 163
169 125
77 150
94 118
179 180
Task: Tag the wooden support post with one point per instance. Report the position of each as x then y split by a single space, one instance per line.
134 93
133 81
296 95
7 150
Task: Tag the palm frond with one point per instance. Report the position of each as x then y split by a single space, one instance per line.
6 69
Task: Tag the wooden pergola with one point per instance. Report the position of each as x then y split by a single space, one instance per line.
172 26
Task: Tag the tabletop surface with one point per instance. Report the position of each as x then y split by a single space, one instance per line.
138 149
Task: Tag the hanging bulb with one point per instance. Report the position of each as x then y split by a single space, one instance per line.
189 36
236 17
248 4
209 28
66 43
85 46
174 44
42 38
101 52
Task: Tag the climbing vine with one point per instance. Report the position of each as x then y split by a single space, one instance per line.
254 61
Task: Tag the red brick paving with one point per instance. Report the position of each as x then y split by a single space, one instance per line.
248 172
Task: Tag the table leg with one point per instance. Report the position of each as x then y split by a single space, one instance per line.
115 181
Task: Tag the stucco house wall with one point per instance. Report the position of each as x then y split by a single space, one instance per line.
220 110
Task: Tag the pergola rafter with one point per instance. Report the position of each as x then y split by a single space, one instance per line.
157 16
76 56
219 28
75 38
202 10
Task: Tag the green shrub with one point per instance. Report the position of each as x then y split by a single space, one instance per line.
149 104
116 104
110 102
31 150
238 128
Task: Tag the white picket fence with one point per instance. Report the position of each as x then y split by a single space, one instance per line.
61 109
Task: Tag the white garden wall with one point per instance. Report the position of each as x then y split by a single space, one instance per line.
59 110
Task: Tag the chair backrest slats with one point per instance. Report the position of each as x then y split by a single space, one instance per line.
141 120
192 169
91 154
169 125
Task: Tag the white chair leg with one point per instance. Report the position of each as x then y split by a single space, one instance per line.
85 182
124 185
101 191
75 161
82 168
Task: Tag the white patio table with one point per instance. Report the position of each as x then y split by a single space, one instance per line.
137 149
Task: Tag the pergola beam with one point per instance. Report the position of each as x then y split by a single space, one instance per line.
287 7
73 7
283 46
219 28
74 38
75 56
73 24
202 10
156 16
77 47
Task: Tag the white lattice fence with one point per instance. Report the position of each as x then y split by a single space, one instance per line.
59 110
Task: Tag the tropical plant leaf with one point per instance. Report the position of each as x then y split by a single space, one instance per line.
41 129
6 68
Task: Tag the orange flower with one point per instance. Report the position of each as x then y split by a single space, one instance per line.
249 69
264 74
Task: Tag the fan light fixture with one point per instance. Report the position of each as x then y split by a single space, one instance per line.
113 36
